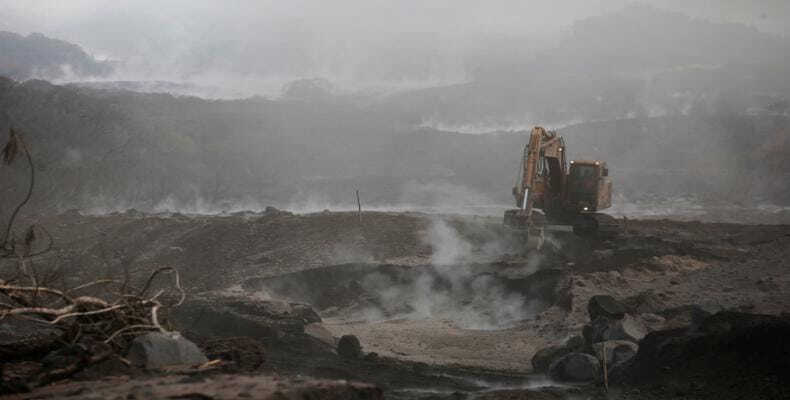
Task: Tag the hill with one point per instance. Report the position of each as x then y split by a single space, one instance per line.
37 56
104 150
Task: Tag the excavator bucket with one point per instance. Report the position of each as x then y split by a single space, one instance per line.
533 230
535 238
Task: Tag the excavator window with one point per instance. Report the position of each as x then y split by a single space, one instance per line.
583 178
584 171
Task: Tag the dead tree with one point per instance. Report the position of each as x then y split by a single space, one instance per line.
110 319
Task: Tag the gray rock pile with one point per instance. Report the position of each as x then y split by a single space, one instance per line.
612 335
730 355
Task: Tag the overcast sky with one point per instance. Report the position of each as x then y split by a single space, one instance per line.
182 38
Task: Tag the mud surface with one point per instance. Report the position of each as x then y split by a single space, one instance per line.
447 303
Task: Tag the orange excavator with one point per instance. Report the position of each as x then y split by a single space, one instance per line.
569 197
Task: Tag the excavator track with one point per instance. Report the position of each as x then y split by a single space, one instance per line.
597 224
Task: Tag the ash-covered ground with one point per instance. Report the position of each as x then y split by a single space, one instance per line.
443 306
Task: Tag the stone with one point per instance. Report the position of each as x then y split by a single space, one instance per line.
157 350
653 322
603 329
349 347
644 302
545 356
318 331
22 336
606 306
575 367
617 351
575 343
757 342
684 316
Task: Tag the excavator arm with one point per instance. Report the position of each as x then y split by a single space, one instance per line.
543 172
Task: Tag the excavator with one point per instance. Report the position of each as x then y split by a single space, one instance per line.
568 196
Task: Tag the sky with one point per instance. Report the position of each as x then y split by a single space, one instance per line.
344 40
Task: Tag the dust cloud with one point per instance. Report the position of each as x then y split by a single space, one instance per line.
453 288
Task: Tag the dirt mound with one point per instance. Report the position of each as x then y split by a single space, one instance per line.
216 314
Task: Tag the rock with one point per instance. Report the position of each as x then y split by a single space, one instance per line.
653 322
349 347
575 367
545 356
21 336
575 343
605 306
644 302
318 331
212 315
603 329
747 355
617 351
273 211
684 316
158 350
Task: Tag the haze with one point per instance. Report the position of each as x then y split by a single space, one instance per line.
255 47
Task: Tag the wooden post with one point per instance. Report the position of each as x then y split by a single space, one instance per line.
605 368
359 207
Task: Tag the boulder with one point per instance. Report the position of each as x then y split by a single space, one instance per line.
605 306
644 302
22 336
545 356
617 351
575 343
349 347
157 350
735 355
575 367
213 315
318 331
603 329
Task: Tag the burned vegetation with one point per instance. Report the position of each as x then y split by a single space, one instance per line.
45 312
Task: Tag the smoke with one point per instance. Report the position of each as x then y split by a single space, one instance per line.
448 247
256 46
453 288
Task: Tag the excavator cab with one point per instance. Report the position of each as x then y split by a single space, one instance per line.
589 187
